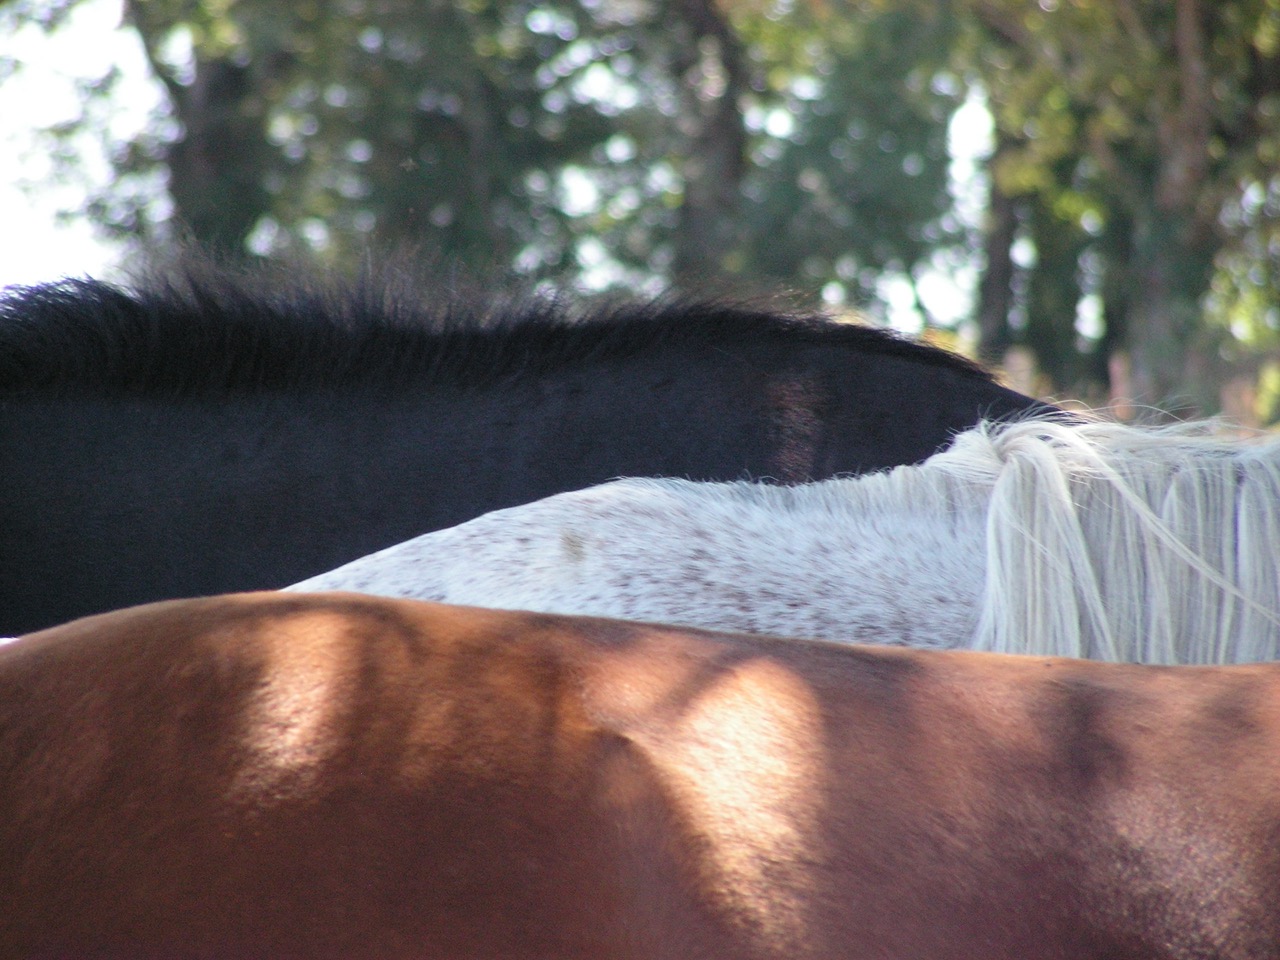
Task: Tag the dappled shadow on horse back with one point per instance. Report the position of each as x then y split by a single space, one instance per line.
208 430
331 775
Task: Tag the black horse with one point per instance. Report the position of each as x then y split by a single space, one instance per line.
205 432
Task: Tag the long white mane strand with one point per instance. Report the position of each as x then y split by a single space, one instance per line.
1155 545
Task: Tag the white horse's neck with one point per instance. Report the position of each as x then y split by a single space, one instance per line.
1092 540
854 560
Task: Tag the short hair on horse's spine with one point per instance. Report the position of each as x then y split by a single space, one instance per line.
195 327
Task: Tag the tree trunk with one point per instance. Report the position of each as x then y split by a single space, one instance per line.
1171 365
1053 297
1174 242
218 166
995 290
714 76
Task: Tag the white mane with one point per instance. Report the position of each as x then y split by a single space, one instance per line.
1095 540
1155 545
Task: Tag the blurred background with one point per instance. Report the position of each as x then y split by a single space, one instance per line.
1085 192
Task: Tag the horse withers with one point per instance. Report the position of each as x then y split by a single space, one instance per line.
306 777
205 431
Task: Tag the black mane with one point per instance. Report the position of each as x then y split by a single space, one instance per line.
197 329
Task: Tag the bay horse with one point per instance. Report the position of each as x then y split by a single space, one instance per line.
207 430
1087 539
315 777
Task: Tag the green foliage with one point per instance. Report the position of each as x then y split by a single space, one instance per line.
554 137
858 184
1141 126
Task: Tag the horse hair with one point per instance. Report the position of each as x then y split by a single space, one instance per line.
1153 544
198 327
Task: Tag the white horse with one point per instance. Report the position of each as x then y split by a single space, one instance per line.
1097 540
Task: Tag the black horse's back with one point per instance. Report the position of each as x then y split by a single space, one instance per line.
208 431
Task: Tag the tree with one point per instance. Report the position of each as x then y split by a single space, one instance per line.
669 140
1145 122
859 185
663 142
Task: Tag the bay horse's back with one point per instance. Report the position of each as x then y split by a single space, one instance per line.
317 776
259 777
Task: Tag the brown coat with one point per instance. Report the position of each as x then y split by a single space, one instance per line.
284 776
